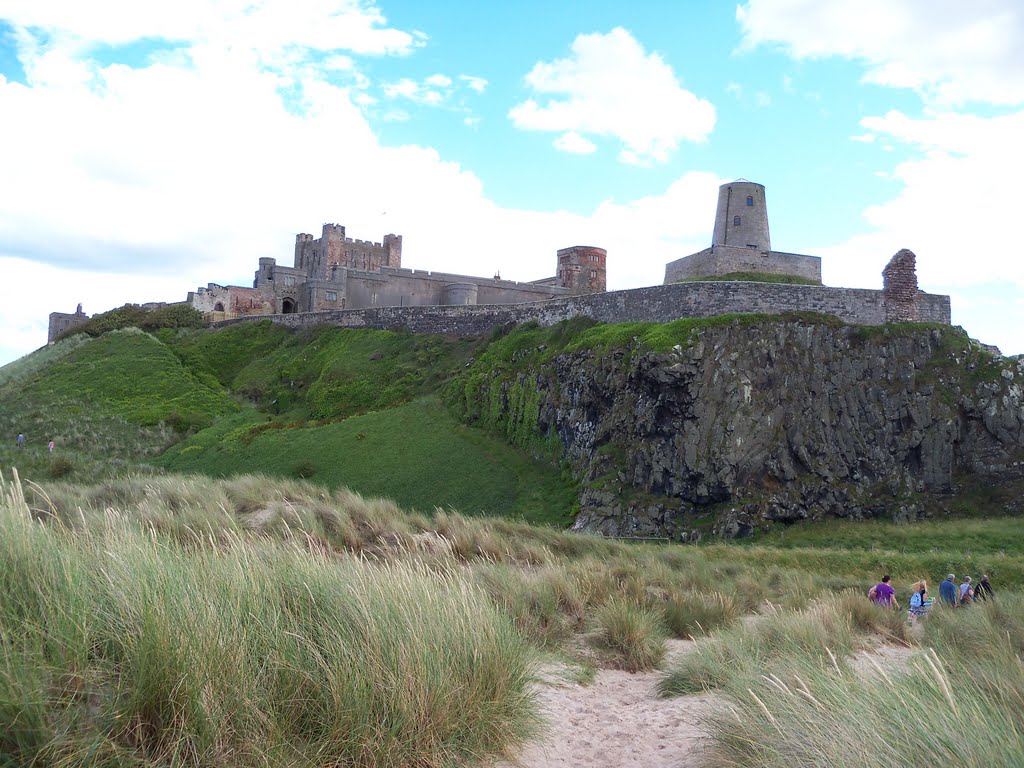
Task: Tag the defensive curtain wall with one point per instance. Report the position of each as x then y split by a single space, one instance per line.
659 304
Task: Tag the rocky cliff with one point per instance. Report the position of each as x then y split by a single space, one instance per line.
730 424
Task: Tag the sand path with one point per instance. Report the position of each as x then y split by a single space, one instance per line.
617 720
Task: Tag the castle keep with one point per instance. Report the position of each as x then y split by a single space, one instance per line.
741 242
337 272
362 284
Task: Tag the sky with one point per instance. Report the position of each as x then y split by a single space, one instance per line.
148 148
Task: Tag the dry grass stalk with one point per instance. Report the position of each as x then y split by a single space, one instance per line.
763 706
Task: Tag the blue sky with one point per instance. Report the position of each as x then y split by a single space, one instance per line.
146 149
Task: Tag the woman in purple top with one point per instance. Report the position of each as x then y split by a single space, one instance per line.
885 595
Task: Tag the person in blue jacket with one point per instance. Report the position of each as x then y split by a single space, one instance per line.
947 590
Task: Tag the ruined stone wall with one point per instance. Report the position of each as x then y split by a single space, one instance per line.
661 303
723 260
232 300
899 283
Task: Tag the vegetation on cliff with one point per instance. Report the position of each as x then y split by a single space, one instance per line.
724 424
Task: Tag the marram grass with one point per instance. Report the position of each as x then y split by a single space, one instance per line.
792 698
120 646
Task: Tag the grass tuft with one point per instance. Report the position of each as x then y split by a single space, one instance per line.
631 636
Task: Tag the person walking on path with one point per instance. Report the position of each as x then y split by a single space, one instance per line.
919 601
947 590
21 440
885 595
984 589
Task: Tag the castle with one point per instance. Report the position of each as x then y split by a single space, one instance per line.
338 272
355 283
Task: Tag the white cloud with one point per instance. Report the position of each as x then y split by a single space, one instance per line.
575 144
474 83
267 27
610 86
434 91
950 51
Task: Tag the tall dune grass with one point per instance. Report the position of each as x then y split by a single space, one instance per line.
118 645
794 700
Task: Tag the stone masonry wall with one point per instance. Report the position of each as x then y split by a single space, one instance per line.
660 303
899 284
726 259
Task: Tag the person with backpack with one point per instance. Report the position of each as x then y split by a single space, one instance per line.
966 591
919 602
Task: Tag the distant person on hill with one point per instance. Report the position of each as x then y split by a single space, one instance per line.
966 591
49 446
21 440
885 595
984 590
947 590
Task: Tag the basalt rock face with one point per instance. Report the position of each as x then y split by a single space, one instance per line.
777 422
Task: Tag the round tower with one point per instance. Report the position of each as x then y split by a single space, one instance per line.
582 268
741 219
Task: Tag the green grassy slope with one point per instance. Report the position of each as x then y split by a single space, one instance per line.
323 373
343 407
989 536
416 454
110 404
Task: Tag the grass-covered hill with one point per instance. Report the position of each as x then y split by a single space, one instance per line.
341 407
641 428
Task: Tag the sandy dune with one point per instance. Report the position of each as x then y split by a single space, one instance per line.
618 720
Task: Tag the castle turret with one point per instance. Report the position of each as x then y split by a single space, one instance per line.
303 249
741 219
393 250
582 269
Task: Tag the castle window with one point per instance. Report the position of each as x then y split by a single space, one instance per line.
735 221
593 273
331 295
750 199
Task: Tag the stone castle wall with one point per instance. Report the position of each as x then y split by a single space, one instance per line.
660 304
721 260
63 321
